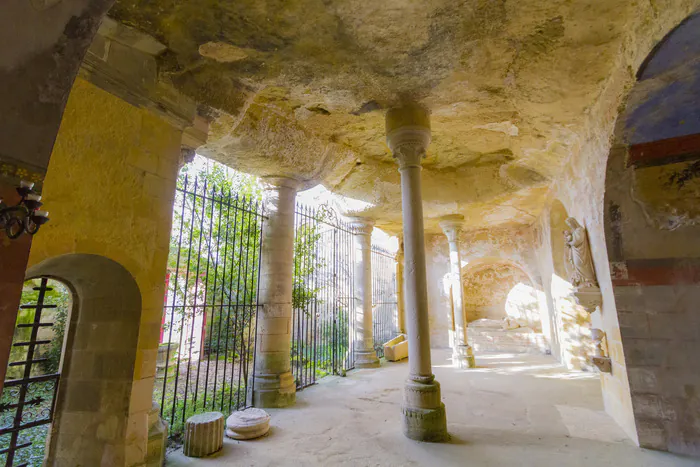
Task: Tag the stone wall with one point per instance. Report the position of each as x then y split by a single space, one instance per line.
43 43
652 228
110 188
570 323
581 189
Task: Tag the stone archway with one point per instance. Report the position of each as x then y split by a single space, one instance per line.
487 286
652 227
502 306
91 422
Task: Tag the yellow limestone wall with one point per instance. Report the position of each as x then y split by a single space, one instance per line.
109 190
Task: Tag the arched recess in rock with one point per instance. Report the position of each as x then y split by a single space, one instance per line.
95 390
652 230
496 288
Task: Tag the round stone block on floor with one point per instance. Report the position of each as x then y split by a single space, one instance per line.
204 434
248 424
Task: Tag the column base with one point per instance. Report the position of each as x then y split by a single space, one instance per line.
424 417
274 391
463 357
366 359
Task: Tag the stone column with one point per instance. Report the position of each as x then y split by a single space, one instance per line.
408 136
400 302
462 354
274 384
400 293
365 355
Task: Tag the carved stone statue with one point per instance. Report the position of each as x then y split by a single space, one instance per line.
578 254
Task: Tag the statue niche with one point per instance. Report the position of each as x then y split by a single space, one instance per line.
580 264
578 255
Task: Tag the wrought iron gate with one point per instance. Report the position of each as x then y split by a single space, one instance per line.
28 401
207 351
385 308
323 311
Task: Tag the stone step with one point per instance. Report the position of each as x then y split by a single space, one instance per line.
520 340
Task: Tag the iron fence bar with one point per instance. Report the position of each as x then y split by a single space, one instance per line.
244 356
257 308
172 314
304 313
237 314
238 284
223 277
196 298
212 308
184 302
27 380
226 294
204 310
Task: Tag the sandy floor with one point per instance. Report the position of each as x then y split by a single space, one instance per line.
514 410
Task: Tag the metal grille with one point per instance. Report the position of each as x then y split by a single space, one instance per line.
385 308
207 351
28 402
323 311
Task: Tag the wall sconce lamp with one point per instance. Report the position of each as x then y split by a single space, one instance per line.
25 216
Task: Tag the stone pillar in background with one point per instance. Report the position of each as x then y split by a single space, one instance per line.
462 354
274 384
408 136
365 355
400 302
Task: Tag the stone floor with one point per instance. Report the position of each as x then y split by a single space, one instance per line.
514 410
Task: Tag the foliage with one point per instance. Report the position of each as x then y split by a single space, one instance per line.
214 252
60 296
306 264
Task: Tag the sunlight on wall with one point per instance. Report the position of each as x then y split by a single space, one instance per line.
522 303
574 324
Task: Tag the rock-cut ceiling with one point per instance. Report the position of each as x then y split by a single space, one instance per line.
301 87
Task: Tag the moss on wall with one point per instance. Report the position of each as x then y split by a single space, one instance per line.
109 189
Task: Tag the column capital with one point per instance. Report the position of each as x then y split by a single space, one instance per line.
452 226
408 145
408 134
275 182
361 225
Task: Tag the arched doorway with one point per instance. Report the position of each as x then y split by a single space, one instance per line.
93 398
652 227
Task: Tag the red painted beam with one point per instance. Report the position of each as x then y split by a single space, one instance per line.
665 151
